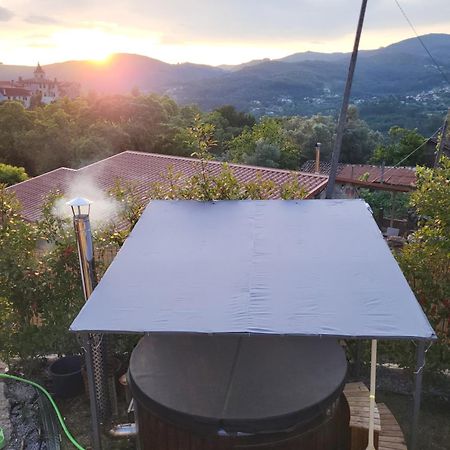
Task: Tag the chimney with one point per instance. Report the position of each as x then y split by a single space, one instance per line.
97 354
318 145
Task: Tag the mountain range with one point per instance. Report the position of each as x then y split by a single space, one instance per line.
289 83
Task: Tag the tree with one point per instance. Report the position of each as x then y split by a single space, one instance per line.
18 283
425 259
359 141
267 143
11 174
401 143
15 122
236 119
305 132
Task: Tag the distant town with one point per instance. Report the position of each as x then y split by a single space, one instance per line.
38 89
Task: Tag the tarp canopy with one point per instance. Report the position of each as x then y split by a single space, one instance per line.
308 267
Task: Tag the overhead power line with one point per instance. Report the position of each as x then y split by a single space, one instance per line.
410 154
438 67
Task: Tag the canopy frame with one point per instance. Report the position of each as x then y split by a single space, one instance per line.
420 339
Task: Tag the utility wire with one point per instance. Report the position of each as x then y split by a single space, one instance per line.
407 156
438 67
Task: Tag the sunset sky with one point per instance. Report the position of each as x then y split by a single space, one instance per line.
202 31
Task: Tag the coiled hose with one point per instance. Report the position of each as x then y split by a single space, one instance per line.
52 402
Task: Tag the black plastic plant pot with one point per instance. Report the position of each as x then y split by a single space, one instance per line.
65 374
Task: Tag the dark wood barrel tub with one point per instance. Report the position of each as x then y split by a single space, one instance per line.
208 392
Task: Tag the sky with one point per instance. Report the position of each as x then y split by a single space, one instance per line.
203 31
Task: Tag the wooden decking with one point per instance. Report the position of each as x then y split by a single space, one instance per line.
388 434
391 436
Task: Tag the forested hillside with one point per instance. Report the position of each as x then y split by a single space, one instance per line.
395 85
73 133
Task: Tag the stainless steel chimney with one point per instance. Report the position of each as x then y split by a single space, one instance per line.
98 360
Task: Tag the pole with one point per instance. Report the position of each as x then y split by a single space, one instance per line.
95 422
317 168
443 140
420 364
373 381
391 222
344 108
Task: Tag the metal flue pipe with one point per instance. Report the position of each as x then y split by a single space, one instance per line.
98 362
124 430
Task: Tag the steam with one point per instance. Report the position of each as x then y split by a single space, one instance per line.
104 209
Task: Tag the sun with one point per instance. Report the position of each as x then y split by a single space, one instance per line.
86 44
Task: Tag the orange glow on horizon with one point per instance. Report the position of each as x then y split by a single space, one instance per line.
97 42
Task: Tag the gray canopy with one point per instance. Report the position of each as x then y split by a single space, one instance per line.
308 267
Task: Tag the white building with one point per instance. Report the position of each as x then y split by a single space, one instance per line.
15 93
38 87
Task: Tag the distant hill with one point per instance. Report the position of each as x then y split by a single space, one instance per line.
438 44
403 68
299 83
119 74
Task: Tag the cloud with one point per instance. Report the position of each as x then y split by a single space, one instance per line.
5 14
42 20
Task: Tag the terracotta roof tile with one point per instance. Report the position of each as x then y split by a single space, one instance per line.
142 169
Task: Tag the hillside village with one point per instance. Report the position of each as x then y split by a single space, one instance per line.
38 89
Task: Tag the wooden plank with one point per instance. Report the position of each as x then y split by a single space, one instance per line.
391 435
388 432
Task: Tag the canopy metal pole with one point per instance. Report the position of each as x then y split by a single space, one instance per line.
373 381
420 364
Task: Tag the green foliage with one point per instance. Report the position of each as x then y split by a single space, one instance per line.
228 123
73 133
18 279
359 141
305 132
11 175
401 143
208 185
425 260
382 201
15 123
267 144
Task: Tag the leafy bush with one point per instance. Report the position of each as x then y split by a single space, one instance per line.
11 174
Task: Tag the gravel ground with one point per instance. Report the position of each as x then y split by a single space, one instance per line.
24 416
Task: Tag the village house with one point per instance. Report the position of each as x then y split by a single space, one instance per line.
141 170
15 93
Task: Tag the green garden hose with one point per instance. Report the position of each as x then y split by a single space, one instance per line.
52 402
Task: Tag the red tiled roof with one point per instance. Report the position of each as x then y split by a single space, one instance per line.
142 169
14 92
392 176
396 176
33 192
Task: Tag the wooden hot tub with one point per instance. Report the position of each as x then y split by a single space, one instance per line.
201 392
